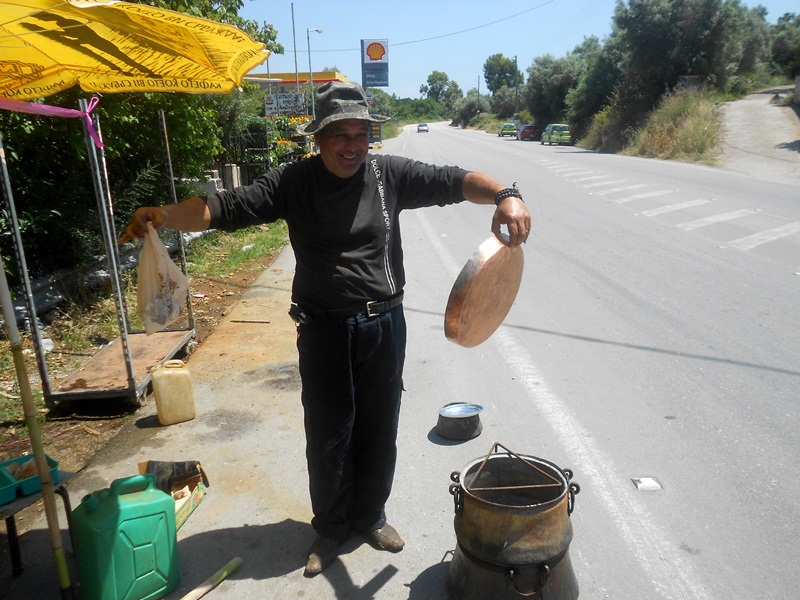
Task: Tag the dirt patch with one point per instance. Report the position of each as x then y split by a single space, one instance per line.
762 136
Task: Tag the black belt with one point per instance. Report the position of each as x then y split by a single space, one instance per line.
372 308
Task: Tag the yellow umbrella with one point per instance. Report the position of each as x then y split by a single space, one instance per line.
107 46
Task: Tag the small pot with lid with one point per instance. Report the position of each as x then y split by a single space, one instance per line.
459 421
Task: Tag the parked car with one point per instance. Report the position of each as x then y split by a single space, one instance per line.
557 133
528 132
507 129
422 128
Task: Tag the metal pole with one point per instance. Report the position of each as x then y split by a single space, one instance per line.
105 208
294 43
25 281
310 72
516 86
31 414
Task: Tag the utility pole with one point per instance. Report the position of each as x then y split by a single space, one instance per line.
310 72
294 43
516 85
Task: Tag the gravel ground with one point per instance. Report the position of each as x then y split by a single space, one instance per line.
762 138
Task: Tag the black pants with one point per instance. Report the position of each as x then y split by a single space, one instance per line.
352 375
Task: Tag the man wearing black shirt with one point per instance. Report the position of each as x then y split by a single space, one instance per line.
342 210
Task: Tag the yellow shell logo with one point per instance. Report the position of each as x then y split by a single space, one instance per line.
376 51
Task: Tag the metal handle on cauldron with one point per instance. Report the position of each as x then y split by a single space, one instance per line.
572 490
455 490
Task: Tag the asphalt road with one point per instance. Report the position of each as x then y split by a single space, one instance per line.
653 336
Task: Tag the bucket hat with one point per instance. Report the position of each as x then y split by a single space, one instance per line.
336 101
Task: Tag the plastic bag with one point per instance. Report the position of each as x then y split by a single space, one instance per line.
162 286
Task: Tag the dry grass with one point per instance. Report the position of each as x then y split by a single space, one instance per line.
686 127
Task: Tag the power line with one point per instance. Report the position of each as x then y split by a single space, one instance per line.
446 35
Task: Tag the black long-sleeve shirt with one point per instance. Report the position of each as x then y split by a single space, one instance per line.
344 232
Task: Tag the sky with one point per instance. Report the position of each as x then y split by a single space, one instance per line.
454 37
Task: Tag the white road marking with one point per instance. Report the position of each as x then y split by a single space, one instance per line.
593 177
624 188
705 222
673 207
763 237
647 195
602 183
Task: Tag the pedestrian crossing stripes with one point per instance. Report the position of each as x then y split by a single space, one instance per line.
673 207
626 188
599 184
655 194
705 222
770 235
592 177
604 183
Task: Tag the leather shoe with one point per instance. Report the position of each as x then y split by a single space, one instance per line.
387 538
321 554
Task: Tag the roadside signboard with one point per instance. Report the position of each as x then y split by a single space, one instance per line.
374 63
375 134
285 104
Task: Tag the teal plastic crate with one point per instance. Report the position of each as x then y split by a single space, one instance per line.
31 485
8 487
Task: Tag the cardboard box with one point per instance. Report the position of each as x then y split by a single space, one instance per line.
187 504
188 490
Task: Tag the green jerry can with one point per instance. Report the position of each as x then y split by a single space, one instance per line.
125 541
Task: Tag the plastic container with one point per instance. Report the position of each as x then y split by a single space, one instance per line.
8 488
172 387
125 541
31 485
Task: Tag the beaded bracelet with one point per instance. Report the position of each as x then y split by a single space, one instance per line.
506 193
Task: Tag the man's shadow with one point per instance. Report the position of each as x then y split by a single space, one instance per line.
281 549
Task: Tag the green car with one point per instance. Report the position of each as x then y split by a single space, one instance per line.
557 133
507 129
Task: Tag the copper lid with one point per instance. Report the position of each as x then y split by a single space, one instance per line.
483 293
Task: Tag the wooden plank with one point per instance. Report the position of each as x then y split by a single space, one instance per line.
106 370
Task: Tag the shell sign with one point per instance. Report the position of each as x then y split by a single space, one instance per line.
375 51
375 63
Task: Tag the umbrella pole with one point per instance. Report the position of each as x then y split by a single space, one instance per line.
48 491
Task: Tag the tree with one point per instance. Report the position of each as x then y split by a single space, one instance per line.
417 109
549 81
596 85
469 107
499 72
713 41
437 83
452 94
786 44
505 102
440 88
381 102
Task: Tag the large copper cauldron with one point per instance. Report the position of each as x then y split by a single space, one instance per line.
512 522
